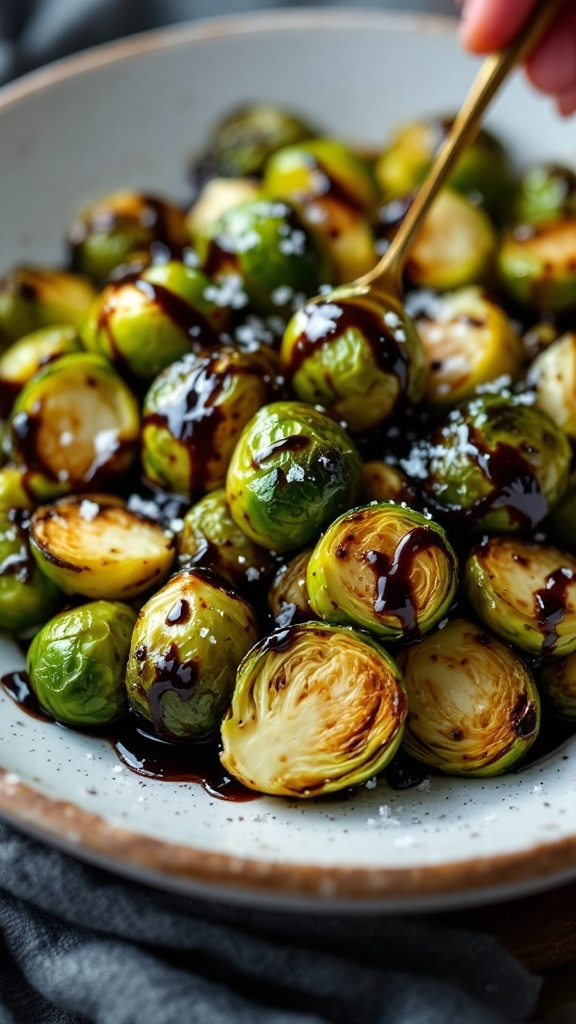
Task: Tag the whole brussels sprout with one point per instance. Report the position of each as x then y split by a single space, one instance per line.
30 354
384 568
24 488
194 414
210 538
27 597
336 194
109 231
383 482
469 340
482 171
557 682
553 377
359 359
537 264
316 709
497 463
525 592
293 470
31 298
265 243
147 323
94 545
243 140
76 422
76 663
545 192
187 644
474 706
288 599
217 196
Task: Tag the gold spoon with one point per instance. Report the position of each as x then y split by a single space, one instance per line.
384 282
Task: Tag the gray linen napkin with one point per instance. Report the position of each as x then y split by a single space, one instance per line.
80 945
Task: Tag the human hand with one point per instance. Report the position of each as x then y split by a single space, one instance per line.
488 25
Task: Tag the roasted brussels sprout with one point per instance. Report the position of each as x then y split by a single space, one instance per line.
76 663
210 538
561 523
243 141
76 423
316 709
218 196
27 597
187 644
455 247
545 192
474 706
93 545
29 355
144 325
336 194
109 231
23 488
525 592
482 172
293 470
383 482
497 463
537 264
557 682
360 360
288 599
384 568
265 243
553 377
468 339
194 414
31 298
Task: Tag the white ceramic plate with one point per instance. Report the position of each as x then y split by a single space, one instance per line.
132 115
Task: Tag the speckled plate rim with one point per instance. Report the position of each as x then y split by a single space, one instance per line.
174 866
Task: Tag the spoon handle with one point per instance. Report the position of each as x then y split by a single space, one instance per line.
463 132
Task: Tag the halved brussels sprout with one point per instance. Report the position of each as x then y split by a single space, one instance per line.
210 538
316 709
217 196
76 422
23 488
187 644
497 463
109 231
93 545
545 192
557 682
383 482
468 339
265 243
288 599
482 171
29 355
27 597
360 360
293 470
455 247
474 706
525 592
31 298
336 194
553 377
144 325
243 140
537 264
77 662
194 414
384 568
539 336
